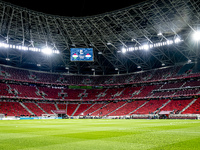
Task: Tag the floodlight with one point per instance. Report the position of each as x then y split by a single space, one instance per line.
8 59
24 48
160 34
131 49
169 42
177 40
123 50
47 50
146 47
5 45
196 36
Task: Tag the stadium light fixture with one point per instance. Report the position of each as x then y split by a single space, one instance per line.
169 42
4 45
196 36
123 50
146 47
177 40
47 51
7 59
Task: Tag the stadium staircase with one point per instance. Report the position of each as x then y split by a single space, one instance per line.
117 108
56 106
75 110
41 108
138 108
26 108
9 89
102 94
162 106
86 109
192 102
119 93
99 109
66 107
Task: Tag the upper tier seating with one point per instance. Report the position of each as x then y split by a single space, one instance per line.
25 91
146 90
172 85
46 77
4 90
16 74
48 92
73 94
192 83
35 76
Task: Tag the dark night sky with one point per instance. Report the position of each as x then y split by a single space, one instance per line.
76 8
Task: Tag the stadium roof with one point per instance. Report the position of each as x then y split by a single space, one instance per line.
150 22
74 8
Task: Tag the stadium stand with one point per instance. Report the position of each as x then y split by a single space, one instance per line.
194 108
142 93
34 108
13 109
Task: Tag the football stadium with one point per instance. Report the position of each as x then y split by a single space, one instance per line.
122 79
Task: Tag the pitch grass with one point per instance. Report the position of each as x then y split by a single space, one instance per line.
100 135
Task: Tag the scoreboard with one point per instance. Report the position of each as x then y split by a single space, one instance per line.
81 54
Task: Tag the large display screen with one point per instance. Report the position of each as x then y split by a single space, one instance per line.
81 54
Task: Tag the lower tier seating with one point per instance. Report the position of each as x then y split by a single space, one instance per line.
120 108
13 109
194 108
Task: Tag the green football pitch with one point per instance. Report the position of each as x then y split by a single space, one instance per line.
100 134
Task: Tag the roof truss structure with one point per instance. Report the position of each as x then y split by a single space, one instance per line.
106 33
